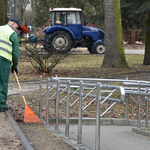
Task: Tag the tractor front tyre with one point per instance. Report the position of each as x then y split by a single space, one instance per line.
90 50
99 48
89 42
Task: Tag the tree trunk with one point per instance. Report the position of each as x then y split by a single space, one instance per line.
132 37
3 12
114 54
147 43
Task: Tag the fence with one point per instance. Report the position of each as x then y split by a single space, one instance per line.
139 89
78 86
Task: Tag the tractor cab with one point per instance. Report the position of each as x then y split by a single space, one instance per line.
69 17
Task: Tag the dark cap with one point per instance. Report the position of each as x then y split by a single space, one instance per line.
16 21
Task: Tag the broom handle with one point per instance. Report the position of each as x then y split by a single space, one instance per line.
20 88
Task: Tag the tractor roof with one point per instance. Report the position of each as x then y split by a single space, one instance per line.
65 9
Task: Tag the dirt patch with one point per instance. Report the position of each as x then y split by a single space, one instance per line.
42 139
8 138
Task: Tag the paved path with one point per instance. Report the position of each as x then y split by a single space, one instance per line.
127 52
135 51
112 137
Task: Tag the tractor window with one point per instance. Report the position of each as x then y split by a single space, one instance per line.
73 18
51 21
61 18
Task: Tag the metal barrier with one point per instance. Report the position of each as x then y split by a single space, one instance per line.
139 89
65 85
136 85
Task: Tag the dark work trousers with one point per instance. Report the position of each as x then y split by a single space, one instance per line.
4 77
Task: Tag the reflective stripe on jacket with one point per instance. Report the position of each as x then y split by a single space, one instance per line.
5 43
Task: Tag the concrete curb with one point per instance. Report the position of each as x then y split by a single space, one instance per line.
141 131
19 132
103 121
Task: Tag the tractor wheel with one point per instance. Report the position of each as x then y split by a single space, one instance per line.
46 43
90 50
99 48
59 41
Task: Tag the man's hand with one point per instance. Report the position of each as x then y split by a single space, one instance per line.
14 69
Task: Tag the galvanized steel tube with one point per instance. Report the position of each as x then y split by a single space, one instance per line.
146 111
79 136
67 110
57 107
40 97
47 101
139 112
98 114
126 109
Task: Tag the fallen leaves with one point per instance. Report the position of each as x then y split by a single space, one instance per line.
117 111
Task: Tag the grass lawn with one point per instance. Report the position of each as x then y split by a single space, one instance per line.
82 66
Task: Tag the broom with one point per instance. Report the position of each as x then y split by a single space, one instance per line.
29 116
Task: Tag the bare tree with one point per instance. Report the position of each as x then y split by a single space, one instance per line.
114 54
21 6
3 12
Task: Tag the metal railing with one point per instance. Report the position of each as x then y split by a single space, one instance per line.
66 85
42 85
138 89
45 84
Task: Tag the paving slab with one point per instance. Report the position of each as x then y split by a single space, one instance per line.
112 137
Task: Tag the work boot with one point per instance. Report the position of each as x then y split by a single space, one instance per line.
6 108
2 109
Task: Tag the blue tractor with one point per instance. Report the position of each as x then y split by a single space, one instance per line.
66 32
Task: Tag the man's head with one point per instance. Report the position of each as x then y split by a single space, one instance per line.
61 16
15 24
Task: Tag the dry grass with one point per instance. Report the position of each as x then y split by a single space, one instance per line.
82 66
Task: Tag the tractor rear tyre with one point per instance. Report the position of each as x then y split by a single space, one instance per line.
46 43
59 41
99 48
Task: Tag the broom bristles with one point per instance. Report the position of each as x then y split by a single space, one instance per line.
29 116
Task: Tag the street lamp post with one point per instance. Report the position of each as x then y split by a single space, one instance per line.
14 7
